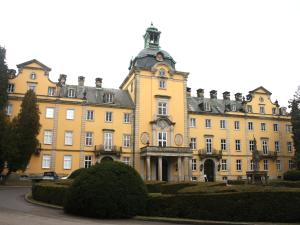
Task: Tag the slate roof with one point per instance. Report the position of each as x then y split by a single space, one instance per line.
218 106
96 95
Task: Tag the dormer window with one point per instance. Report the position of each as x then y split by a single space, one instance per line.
249 108
71 93
33 76
207 106
10 88
162 72
233 108
108 98
262 109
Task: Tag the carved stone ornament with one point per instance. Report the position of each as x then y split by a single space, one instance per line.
178 139
145 138
162 124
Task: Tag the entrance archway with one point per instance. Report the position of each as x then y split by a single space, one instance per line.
106 159
209 170
165 170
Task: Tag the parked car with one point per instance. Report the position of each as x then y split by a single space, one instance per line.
50 176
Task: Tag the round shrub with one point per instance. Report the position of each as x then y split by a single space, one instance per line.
292 175
76 173
107 190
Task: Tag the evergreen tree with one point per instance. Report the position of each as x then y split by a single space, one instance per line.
3 103
295 117
23 131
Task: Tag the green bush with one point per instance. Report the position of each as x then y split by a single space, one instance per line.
154 186
50 192
285 183
244 206
173 188
107 190
236 182
76 173
292 175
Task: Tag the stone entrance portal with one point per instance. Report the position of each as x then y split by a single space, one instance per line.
209 169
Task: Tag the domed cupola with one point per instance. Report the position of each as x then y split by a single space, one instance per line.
152 54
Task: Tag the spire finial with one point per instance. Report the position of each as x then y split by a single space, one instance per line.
151 24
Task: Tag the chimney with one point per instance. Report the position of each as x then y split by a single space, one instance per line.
213 94
200 93
226 95
81 81
188 92
62 79
98 82
238 97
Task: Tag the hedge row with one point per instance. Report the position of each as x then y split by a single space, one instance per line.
284 183
154 186
167 188
236 182
50 192
249 206
292 175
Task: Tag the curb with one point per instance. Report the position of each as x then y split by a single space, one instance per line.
29 199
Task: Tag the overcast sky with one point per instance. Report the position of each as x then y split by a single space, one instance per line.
231 46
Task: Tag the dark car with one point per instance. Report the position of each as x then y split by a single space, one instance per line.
50 176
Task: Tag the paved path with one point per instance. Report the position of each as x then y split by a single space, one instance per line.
14 210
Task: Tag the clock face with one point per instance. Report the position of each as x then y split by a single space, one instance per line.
159 57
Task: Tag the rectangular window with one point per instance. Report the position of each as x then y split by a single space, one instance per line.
90 115
67 162
194 178
236 125
70 114
288 128
48 135
224 164
276 127
263 126
194 165
51 91
291 164
262 109
192 122
289 146
9 110
251 165
108 116
89 138
50 113
31 86
277 146
71 93
265 147
11 88
251 145
208 123
193 143
249 108
162 108
126 140
207 106
238 165
46 162
278 165
238 145
87 161
250 125
208 145
162 139
126 118
68 138
233 107
274 111
126 160
108 141
162 84
223 144
266 164
222 124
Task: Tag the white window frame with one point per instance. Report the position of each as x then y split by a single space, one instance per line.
236 125
192 122
290 146
89 138
46 161
223 144
251 145
162 108
108 117
31 86
33 76
278 165
249 108
207 106
9 109
265 146
70 114
266 165
49 113
263 126
48 137
108 141
262 109
193 143
224 165
126 140
162 84
194 164
68 137
288 128
208 144
126 118
250 125
277 146
108 98
223 124
275 127
10 88
162 139
51 91
67 162
126 160
290 164
238 165
90 115
88 161
251 165
207 123
71 93
238 145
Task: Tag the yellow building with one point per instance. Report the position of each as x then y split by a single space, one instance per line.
152 123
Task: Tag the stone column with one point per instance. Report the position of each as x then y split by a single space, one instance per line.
160 168
190 169
148 168
186 168
179 169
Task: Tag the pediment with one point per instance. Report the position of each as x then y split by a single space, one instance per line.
261 90
34 64
163 122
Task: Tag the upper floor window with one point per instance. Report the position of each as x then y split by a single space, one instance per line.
87 161
276 127
194 165
266 164
224 164
251 164
236 125
222 124
108 116
249 108
291 164
90 115
289 146
162 72
208 145
265 147
108 98
263 126
51 91
126 140
207 106
193 143
274 111
31 86
49 112
238 165
88 138
33 76
71 93
238 145
70 114
162 108
108 141
68 138
251 145
250 125
126 118
67 162
277 146
223 144
208 123
288 128
162 139
261 109
162 84
192 122
233 107
9 109
11 88
278 165
46 161
48 136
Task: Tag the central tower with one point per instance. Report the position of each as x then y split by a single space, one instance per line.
151 37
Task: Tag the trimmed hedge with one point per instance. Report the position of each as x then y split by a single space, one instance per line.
284 183
292 175
76 173
107 190
51 192
236 182
173 188
247 206
154 186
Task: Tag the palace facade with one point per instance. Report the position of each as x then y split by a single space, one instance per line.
153 123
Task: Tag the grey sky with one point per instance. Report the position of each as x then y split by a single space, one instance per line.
231 46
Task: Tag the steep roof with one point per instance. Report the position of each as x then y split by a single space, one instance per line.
22 65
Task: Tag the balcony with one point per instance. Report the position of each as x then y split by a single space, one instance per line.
166 151
203 153
101 150
269 155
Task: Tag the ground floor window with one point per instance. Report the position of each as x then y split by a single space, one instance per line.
46 161
126 160
266 164
194 165
224 178
87 161
278 165
194 178
238 165
224 164
67 162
